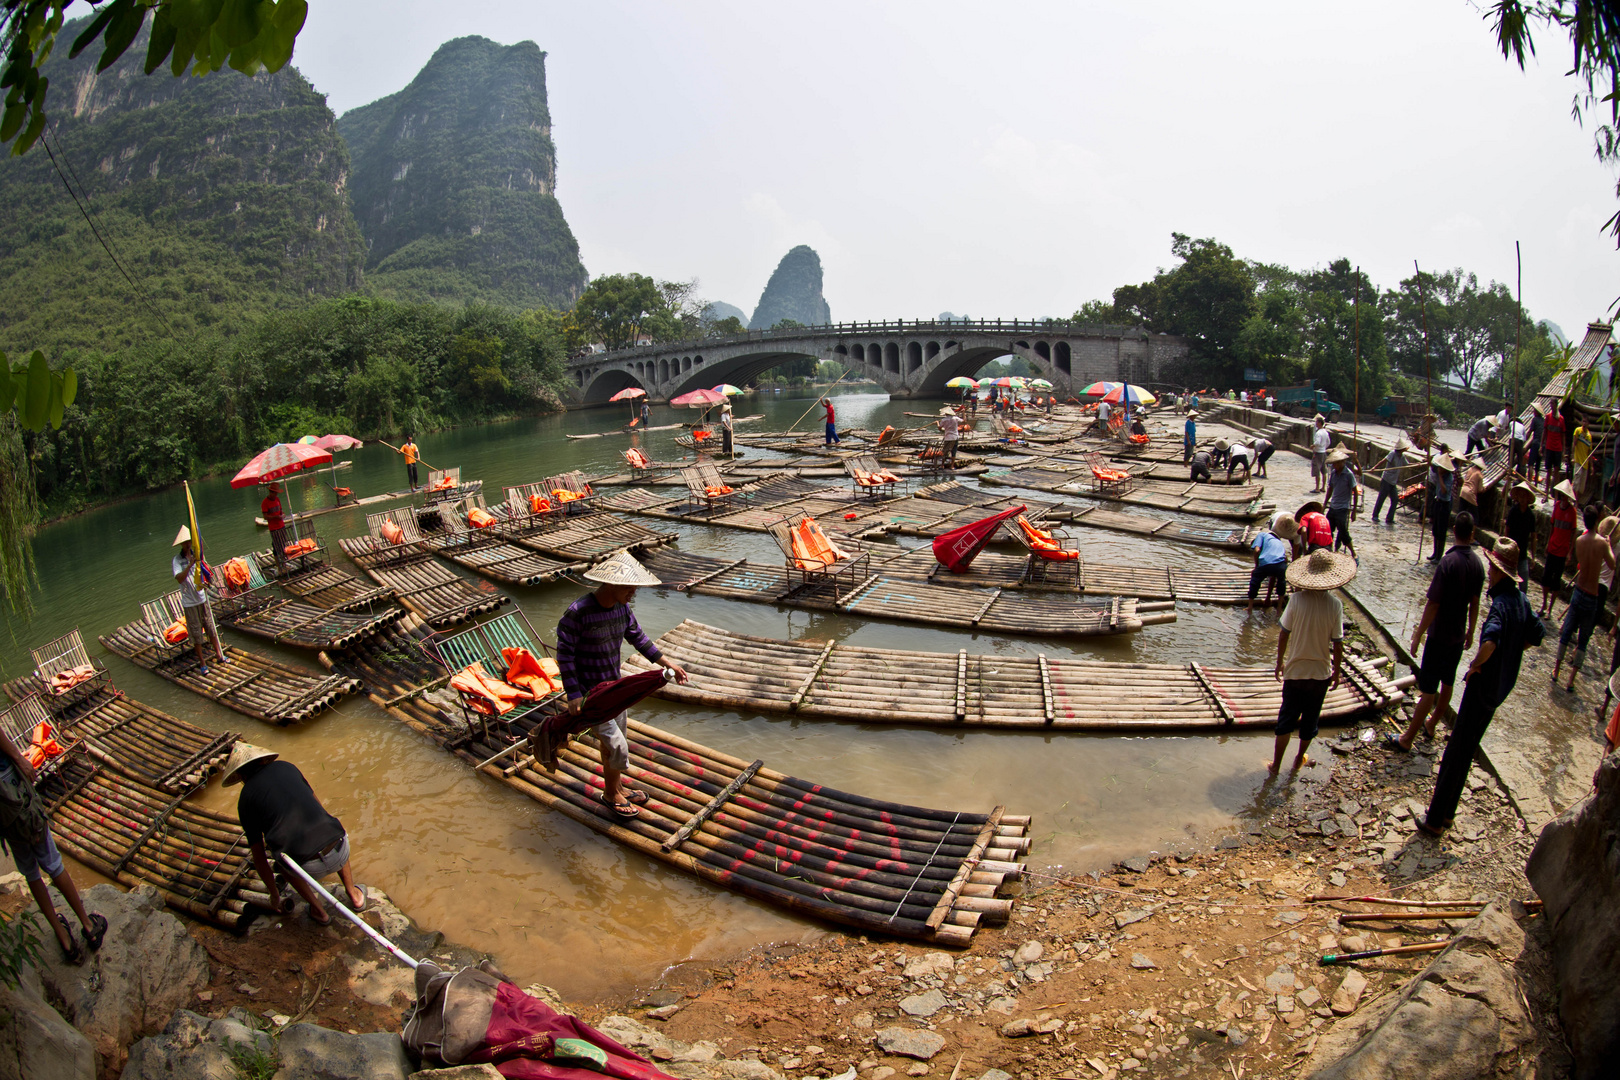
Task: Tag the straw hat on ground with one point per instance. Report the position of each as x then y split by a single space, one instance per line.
182 537
1522 488
1563 488
1284 525
1321 570
1505 557
1338 455
242 754
622 569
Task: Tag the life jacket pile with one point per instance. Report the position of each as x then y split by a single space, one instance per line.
563 495
42 745
479 518
1043 543
445 484
636 458
63 681
486 694
874 479
539 676
812 550
237 573
714 491
391 532
300 547
539 504
176 632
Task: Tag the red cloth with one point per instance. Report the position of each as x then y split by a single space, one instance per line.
1318 533
520 1025
830 415
1562 537
1553 433
271 509
956 549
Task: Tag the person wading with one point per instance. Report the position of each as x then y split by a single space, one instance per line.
589 637
1273 548
1449 618
1310 648
1560 541
1263 449
1593 557
1315 530
187 570
1510 627
281 815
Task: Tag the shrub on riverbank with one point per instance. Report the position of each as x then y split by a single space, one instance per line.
152 415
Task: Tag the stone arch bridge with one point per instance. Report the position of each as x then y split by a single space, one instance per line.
909 359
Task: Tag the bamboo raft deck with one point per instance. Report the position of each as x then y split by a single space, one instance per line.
881 867
1185 532
247 683
589 537
491 552
882 686
1185 498
298 623
391 666
155 748
1009 611
991 568
327 586
422 584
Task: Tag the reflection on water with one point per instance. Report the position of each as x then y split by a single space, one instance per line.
554 901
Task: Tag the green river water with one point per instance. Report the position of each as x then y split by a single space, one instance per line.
559 904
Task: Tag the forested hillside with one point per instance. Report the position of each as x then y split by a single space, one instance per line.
222 197
455 182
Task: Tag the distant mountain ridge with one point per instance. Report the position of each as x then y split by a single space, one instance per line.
455 181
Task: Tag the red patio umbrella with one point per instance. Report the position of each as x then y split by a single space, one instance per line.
699 399
337 442
282 459
630 393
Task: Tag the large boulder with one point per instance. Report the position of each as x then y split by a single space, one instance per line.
1575 869
310 1052
1456 1020
36 1043
148 967
193 1047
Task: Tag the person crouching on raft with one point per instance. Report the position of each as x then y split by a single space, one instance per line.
589 636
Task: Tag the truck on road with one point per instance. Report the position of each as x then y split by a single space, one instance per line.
1306 400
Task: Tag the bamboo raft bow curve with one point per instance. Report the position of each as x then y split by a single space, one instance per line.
1009 611
247 683
1042 693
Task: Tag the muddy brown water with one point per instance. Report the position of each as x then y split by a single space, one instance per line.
557 903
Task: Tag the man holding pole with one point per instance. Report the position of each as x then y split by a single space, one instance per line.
271 509
187 568
832 421
408 449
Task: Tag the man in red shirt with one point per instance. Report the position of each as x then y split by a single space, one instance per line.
832 426
1559 543
1314 528
271 509
1552 447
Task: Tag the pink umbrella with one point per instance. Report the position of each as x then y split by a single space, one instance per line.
337 443
282 459
699 399
628 393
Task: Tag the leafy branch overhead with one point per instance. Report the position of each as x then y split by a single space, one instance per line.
248 35
40 394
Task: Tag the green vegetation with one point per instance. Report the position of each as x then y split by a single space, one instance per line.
455 179
19 945
1297 325
251 1063
153 414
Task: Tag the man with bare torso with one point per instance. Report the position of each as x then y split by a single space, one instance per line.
1592 555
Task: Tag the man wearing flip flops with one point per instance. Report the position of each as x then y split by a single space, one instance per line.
1450 614
1310 648
26 831
589 637
280 814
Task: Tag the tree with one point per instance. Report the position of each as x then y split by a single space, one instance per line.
616 308
1095 313
1207 299
729 326
1471 328
249 35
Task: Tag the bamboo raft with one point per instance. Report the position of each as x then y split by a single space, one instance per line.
423 585
881 867
882 686
1185 532
1184 498
247 683
327 586
295 622
490 552
1010 611
996 568
391 666
589 537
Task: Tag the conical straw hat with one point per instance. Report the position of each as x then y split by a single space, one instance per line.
1321 569
182 537
622 569
241 754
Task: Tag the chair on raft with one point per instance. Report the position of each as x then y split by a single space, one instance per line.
480 670
21 725
1053 555
66 672
814 560
868 476
930 456
1107 480
1007 431
395 533
443 484
707 487
302 549
641 466
569 492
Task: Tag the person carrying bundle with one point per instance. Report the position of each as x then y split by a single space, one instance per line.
589 637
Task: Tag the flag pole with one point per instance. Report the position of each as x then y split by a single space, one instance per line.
197 581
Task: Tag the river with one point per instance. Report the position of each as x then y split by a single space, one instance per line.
559 904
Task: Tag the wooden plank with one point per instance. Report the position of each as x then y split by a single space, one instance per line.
948 898
961 684
711 574
856 591
983 610
1046 687
704 812
809 680
1214 695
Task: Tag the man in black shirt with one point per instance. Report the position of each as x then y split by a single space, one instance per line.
1520 527
1449 618
1199 467
280 813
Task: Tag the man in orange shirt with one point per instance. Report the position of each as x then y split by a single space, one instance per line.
409 450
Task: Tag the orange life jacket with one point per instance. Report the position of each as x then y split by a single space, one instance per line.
539 504
63 681
487 694
540 676
479 518
716 490
42 745
237 573
1043 542
300 547
812 548
563 495
1140 439
701 435
636 458
176 632
445 483
391 532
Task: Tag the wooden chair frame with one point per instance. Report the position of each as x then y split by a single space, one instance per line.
843 575
483 643
857 464
413 545
574 482
702 476
1042 567
455 492
1101 482
66 652
18 722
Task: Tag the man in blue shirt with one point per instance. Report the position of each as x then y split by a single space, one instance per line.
1272 549
1188 439
1510 627
1343 481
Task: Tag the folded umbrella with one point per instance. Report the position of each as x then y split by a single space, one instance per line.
602 703
957 549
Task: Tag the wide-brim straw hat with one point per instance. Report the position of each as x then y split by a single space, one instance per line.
242 754
1607 525
1320 419
1221 444
622 569
1522 488
1312 507
1338 455
1505 557
1285 526
1321 570
946 411
1563 488
182 537
1445 464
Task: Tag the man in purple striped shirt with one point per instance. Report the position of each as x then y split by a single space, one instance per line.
589 637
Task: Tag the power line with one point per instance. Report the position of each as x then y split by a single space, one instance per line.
137 288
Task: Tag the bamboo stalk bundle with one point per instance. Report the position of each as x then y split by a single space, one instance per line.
837 856
295 622
248 683
813 678
391 666
424 586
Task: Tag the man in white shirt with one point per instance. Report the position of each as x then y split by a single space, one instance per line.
1310 647
1321 441
950 426
186 568
1104 411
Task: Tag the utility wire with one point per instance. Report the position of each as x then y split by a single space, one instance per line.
139 290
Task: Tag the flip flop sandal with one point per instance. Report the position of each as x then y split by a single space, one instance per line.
636 796
74 953
623 811
324 920
98 930
1392 743
365 899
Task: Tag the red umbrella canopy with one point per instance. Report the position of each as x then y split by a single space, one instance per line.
282 459
337 442
629 393
699 399
1098 389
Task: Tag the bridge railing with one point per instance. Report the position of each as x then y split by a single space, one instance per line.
871 327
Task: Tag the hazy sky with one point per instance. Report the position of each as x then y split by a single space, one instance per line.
1018 159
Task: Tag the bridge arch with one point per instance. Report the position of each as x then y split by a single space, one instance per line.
600 386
